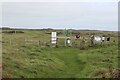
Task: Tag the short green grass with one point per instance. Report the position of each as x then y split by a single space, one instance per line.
33 61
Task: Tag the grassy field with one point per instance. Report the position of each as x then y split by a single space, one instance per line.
34 61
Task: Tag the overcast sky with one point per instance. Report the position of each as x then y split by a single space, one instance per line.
70 15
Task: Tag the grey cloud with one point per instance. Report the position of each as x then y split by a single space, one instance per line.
63 14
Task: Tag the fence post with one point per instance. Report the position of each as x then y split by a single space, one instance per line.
51 43
39 43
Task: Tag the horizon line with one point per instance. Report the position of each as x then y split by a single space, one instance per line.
54 28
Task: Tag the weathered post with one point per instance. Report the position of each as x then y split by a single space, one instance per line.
56 45
70 37
102 40
92 40
65 33
39 44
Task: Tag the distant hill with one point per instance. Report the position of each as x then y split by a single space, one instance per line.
5 28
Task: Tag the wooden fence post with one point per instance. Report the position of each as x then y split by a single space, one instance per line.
39 43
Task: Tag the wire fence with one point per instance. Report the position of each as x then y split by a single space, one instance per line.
78 43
